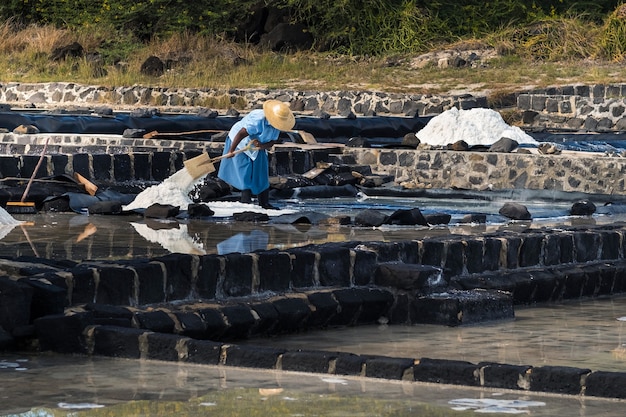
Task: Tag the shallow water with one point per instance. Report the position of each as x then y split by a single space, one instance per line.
584 334
78 236
51 385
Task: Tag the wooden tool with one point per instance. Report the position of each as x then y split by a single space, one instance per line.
203 164
23 206
154 133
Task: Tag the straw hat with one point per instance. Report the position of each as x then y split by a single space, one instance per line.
279 115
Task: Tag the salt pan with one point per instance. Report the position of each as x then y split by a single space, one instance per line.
477 126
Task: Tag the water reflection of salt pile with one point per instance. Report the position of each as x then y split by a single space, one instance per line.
175 240
7 223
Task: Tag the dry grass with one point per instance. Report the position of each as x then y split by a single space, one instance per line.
201 62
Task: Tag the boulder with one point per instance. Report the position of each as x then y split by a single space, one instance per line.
515 211
583 208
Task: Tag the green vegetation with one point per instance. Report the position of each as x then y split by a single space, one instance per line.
358 45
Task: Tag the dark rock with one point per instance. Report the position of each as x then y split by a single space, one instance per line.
583 208
157 321
410 277
203 351
119 342
307 361
407 217
460 145
248 356
63 334
106 207
358 142
250 216
388 368
26 130
506 376
558 379
474 218
446 372
606 384
370 217
453 308
410 140
15 303
161 211
73 50
515 211
196 211
504 145
287 37
153 66
133 133
438 218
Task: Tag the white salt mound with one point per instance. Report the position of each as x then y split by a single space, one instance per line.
174 191
474 126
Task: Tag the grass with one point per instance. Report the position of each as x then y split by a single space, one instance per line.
200 62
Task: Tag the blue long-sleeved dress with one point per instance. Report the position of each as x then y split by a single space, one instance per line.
242 171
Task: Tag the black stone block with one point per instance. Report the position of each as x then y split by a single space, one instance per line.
122 167
9 166
141 166
156 321
102 164
115 286
400 310
334 265
586 245
63 334
248 356
325 307
446 372
208 274
454 258
474 253
498 375
530 250
238 275
303 269
15 304
214 322
575 280
307 361
409 277
458 307
558 379
388 368
552 249
545 285
203 351
350 304
151 281
47 298
179 269
240 321
275 268
105 311
365 262
161 165
348 364
267 319
375 304
191 324
162 347
83 285
611 244
81 164
59 164
512 252
433 252
29 163
606 384
292 312
120 342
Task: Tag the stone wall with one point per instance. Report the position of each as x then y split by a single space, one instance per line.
582 172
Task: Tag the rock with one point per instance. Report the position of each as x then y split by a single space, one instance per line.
504 145
410 140
583 208
26 130
152 67
438 218
460 145
548 149
358 142
106 207
370 217
161 211
250 216
133 133
73 50
408 217
474 218
199 210
515 211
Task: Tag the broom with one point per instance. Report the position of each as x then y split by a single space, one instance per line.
23 206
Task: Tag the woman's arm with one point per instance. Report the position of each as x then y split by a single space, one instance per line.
236 140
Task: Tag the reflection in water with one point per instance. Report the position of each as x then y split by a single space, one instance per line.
244 243
79 386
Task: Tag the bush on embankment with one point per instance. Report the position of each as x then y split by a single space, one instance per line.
355 43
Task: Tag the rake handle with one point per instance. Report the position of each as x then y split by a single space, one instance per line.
32 177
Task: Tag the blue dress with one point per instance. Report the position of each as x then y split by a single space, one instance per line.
241 171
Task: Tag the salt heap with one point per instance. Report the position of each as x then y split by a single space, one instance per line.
477 126
173 191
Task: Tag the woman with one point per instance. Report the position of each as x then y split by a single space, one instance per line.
249 171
